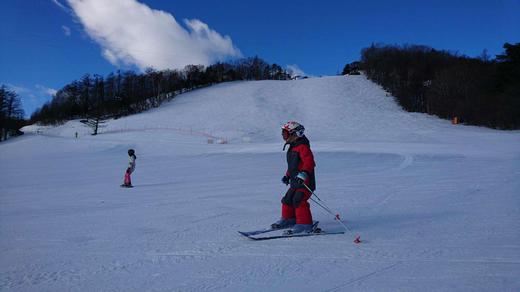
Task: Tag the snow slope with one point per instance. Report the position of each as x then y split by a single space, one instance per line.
436 205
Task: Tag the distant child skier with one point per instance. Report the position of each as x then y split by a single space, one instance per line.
131 167
296 212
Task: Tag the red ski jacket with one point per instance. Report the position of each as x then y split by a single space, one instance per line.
300 158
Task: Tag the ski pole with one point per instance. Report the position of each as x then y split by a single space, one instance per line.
336 216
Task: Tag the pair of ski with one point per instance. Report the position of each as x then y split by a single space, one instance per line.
260 234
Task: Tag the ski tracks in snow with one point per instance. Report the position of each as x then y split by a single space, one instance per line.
364 277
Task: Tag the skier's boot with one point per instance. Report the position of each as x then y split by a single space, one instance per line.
283 223
300 228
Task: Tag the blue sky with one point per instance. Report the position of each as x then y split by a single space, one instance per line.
48 43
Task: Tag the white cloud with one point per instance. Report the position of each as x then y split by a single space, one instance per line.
294 70
66 30
58 3
18 89
132 33
46 90
33 97
36 92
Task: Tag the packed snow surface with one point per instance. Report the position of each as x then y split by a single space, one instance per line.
437 205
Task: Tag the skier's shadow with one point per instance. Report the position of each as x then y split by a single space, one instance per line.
397 222
157 184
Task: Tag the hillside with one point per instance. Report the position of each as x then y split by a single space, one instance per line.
436 205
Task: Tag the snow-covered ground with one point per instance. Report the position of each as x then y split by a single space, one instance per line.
437 205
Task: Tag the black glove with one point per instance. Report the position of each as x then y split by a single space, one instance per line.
286 180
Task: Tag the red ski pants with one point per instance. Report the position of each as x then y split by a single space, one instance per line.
302 212
128 180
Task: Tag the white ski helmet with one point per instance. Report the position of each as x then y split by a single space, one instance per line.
293 128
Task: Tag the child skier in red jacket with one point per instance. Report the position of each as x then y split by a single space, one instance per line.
296 212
